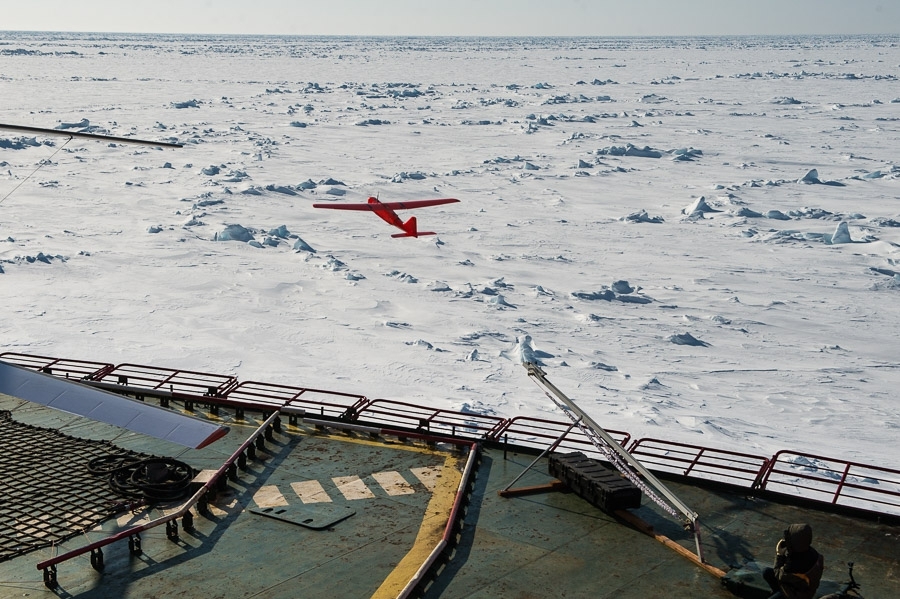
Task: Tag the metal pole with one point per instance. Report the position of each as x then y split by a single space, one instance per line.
543 453
127 140
537 373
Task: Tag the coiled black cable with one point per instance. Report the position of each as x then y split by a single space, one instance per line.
152 479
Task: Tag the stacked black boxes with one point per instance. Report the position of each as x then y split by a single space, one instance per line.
594 482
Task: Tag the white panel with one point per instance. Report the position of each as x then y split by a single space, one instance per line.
103 406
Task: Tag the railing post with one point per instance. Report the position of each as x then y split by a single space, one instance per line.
50 577
840 486
696 459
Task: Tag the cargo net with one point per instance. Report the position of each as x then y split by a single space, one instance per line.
47 493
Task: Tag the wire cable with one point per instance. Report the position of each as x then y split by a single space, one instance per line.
40 164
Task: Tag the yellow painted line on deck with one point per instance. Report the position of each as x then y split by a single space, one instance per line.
430 532
393 483
310 491
379 443
352 487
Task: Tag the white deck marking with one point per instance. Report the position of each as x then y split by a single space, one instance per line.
269 496
352 487
393 483
224 508
310 491
427 475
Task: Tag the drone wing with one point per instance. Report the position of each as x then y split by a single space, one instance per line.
104 406
375 206
418 203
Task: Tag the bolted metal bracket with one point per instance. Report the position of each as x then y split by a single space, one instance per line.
134 544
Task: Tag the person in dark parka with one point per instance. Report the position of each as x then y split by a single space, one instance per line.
798 566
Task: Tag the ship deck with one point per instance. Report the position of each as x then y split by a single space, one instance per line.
322 512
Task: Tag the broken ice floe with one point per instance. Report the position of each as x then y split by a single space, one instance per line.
438 286
622 287
686 339
892 283
333 264
424 344
698 207
745 212
39 257
20 143
602 366
677 154
302 246
630 150
404 176
643 217
841 235
234 233
186 104
685 154
812 178
499 301
283 189
619 291
401 276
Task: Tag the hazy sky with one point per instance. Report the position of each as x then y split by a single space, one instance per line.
456 17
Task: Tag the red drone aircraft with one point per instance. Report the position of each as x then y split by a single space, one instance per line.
385 211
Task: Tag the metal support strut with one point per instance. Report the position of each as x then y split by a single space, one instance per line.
543 453
618 456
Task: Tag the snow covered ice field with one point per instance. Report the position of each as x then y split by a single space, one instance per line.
759 318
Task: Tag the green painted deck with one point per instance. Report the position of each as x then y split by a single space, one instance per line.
556 545
543 545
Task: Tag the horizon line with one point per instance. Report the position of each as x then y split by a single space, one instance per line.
447 35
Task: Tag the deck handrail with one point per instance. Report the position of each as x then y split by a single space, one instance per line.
835 478
686 459
545 429
850 484
425 418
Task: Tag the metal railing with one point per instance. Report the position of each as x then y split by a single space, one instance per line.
825 480
834 481
229 468
433 420
274 396
538 433
685 459
177 382
79 370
